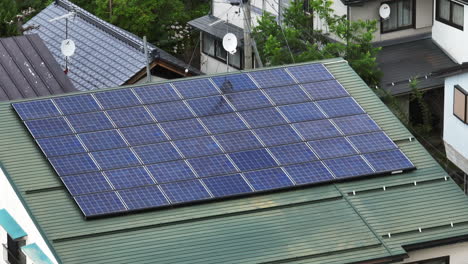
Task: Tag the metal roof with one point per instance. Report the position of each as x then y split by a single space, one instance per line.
216 27
404 61
27 69
106 56
347 222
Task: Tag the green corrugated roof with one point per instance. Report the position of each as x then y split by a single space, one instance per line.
343 222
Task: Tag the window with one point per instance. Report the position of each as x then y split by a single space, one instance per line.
450 13
401 16
442 260
460 106
14 254
213 47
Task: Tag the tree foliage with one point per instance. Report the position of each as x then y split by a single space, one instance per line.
10 9
299 40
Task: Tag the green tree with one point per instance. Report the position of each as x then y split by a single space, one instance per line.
298 40
8 11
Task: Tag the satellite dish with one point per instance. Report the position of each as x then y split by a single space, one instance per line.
68 47
384 11
230 43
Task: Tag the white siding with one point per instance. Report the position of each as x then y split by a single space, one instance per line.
452 40
10 201
211 65
458 253
455 131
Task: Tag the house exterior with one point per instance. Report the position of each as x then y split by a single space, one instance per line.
28 69
106 56
417 216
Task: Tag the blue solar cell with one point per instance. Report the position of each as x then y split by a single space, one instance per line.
212 165
115 158
253 159
234 83
157 153
319 129
277 135
59 146
296 153
156 93
227 185
313 172
77 104
102 140
129 177
130 116
389 160
287 95
99 204
212 105
117 99
143 197
302 112
90 122
268 179
272 78
332 148
142 135
263 117
171 171
74 164
236 141
184 129
36 109
170 111
325 90
223 123
310 73
185 191
196 147
86 183
248 100
356 124
195 88
372 142
340 107
348 167
50 127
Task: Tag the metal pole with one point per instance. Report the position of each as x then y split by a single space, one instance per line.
66 37
280 13
148 72
247 36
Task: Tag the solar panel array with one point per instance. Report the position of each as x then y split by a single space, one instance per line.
165 144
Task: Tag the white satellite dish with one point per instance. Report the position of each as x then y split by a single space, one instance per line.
68 47
384 11
230 43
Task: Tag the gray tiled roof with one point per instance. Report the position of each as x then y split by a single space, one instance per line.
216 27
106 56
27 69
401 62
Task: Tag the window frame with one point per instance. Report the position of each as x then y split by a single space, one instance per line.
450 21
413 19
218 45
459 88
445 258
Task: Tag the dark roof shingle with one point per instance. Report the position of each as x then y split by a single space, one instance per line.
106 55
28 69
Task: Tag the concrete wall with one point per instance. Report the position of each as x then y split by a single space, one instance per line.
458 253
455 131
211 65
10 201
452 40
370 11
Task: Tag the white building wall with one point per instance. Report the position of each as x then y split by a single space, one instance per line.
10 201
455 131
458 253
452 40
211 65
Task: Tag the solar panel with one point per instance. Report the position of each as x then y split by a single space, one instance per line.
156 93
163 144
